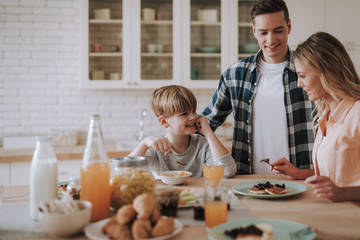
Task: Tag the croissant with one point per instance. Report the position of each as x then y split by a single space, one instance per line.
118 231
112 221
144 204
141 229
125 214
163 226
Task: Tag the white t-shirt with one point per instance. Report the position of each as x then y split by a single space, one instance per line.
270 132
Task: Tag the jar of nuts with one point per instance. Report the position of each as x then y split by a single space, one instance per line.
129 178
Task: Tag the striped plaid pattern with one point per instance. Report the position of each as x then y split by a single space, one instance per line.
237 88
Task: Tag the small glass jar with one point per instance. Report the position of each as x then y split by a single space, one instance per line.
129 178
73 187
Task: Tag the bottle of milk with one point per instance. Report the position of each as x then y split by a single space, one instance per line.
43 174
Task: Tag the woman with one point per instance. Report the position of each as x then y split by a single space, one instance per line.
327 74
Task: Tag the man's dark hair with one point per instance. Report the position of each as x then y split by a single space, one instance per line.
269 6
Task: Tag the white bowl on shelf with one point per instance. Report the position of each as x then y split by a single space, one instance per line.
173 178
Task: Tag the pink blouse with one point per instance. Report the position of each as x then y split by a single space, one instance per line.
339 156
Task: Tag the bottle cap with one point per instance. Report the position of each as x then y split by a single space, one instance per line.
129 161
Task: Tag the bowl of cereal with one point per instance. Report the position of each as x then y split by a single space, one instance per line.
64 218
174 177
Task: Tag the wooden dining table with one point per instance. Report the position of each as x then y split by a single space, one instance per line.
330 220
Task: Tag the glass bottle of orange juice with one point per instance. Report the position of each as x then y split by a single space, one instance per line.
95 172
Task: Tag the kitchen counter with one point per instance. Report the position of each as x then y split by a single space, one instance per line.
62 153
70 152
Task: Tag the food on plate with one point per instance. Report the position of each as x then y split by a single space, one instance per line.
256 190
144 205
63 206
105 228
268 188
125 187
156 215
125 214
61 189
141 228
179 174
186 197
127 225
117 231
275 190
163 226
260 231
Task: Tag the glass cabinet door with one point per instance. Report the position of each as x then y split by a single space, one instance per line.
246 40
205 39
156 40
105 40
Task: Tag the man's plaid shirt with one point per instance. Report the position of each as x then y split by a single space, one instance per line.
235 92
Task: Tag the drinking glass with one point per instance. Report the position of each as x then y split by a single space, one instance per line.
213 173
216 203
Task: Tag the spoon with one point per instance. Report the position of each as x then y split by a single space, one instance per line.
181 163
266 160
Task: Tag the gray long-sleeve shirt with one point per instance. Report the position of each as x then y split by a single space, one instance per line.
195 156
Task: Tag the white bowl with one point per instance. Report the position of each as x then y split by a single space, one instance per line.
174 180
65 225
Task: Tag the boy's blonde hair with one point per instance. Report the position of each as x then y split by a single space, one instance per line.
169 100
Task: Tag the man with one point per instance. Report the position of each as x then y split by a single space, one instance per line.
272 116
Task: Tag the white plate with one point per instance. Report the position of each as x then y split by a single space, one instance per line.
292 188
93 231
281 228
189 204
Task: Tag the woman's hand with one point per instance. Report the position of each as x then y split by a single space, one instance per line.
284 167
323 187
158 144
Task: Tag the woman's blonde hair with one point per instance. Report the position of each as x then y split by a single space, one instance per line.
169 100
326 54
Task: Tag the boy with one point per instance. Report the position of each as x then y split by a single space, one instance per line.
181 149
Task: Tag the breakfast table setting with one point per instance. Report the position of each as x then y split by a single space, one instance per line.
298 208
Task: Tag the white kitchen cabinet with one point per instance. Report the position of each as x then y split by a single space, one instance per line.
125 58
20 173
184 43
5 174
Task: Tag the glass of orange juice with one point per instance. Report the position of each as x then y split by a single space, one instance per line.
213 173
216 203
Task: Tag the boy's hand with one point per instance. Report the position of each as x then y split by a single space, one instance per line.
203 126
159 144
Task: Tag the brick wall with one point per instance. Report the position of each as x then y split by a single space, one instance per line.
40 75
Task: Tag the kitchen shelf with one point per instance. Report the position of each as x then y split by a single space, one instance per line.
105 54
199 23
157 22
245 24
244 55
156 54
206 55
110 21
